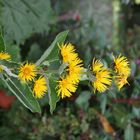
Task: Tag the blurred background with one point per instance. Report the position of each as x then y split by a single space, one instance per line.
98 28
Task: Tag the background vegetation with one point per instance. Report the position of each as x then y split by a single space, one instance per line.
101 28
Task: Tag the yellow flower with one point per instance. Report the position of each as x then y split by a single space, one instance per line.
27 72
121 80
122 70
4 56
102 81
40 87
97 65
122 65
68 52
102 76
75 68
65 87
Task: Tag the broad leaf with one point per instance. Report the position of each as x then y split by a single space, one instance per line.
53 51
23 18
23 93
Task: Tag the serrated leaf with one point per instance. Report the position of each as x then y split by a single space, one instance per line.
23 18
53 51
2 45
23 93
129 133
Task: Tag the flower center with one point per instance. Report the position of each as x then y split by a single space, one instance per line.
66 56
98 76
64 83
26 71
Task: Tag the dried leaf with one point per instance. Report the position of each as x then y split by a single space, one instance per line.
106 125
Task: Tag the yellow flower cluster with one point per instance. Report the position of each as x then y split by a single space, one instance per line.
101 76
69 82
122 70
28 72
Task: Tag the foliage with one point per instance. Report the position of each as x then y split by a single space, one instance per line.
28 27
26 18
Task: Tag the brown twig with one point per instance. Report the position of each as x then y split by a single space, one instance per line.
128 100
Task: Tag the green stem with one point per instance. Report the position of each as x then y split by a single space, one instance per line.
87 75
8 71
62 68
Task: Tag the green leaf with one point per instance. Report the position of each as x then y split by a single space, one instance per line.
129 133
2 45
14 51
136 111
9 64
53 51
52 93
103 102
83 99
11 49
121 116
23 93
34 53
133 68
23 18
